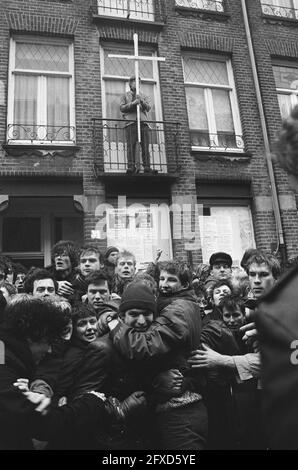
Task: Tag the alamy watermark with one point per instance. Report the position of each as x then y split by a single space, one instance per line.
153 221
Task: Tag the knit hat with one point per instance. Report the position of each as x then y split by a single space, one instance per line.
137 295
110 250
220 257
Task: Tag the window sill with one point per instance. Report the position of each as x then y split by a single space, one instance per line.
40 149
221 155
281 20
202 13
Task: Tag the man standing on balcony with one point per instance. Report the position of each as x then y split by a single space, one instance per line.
128 107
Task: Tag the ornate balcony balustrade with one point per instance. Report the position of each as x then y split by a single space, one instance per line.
114 139
34 134
280 11
142 10
211 5
223 141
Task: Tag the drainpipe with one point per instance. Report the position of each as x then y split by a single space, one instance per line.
275 201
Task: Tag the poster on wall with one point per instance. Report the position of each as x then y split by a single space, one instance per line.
141 230
227 229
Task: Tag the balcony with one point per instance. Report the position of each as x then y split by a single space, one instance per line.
37 134
135 11
110 148
220 142
33 139
279 11
211 5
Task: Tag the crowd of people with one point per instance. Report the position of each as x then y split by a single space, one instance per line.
99 355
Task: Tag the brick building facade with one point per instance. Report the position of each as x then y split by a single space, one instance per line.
64 150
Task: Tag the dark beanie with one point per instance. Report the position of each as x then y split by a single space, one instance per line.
110 250
137 295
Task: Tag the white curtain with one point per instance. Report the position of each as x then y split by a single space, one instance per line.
58 107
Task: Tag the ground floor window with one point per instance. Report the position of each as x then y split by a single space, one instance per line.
31 226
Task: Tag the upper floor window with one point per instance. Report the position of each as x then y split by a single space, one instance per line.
212 103
286 80
133 9
41 91
211 5
283 8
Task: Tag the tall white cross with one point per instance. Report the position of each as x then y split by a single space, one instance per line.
136 57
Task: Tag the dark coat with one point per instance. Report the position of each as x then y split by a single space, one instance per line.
277 324
167 343
19 421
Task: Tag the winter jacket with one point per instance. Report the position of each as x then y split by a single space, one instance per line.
277 323
19 420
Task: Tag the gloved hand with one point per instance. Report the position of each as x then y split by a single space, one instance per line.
169 383
133 405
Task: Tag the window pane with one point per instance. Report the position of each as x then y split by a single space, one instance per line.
68 228
22 234
286 77
224 119
196 108
205 71
25 99
197 116
126 67
42 57
285 105
58 102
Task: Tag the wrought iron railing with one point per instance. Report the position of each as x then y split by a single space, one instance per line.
114 146
35 133
211 5
281 11
144 10
220 141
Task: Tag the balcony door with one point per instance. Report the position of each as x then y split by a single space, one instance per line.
115 82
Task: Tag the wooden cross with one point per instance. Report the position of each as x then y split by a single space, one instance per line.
136 57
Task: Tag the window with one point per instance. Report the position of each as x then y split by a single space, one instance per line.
212 5
211 103
31 226
226 228
41 91
133 9
115 82
286 80
283 8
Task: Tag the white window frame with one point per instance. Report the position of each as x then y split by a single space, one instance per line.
209 102
42 91
288 91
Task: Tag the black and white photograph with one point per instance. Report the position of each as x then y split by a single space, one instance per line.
148 228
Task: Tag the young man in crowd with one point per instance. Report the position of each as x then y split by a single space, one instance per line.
65 260
90 260
27 330
40 283
171 335
124 272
